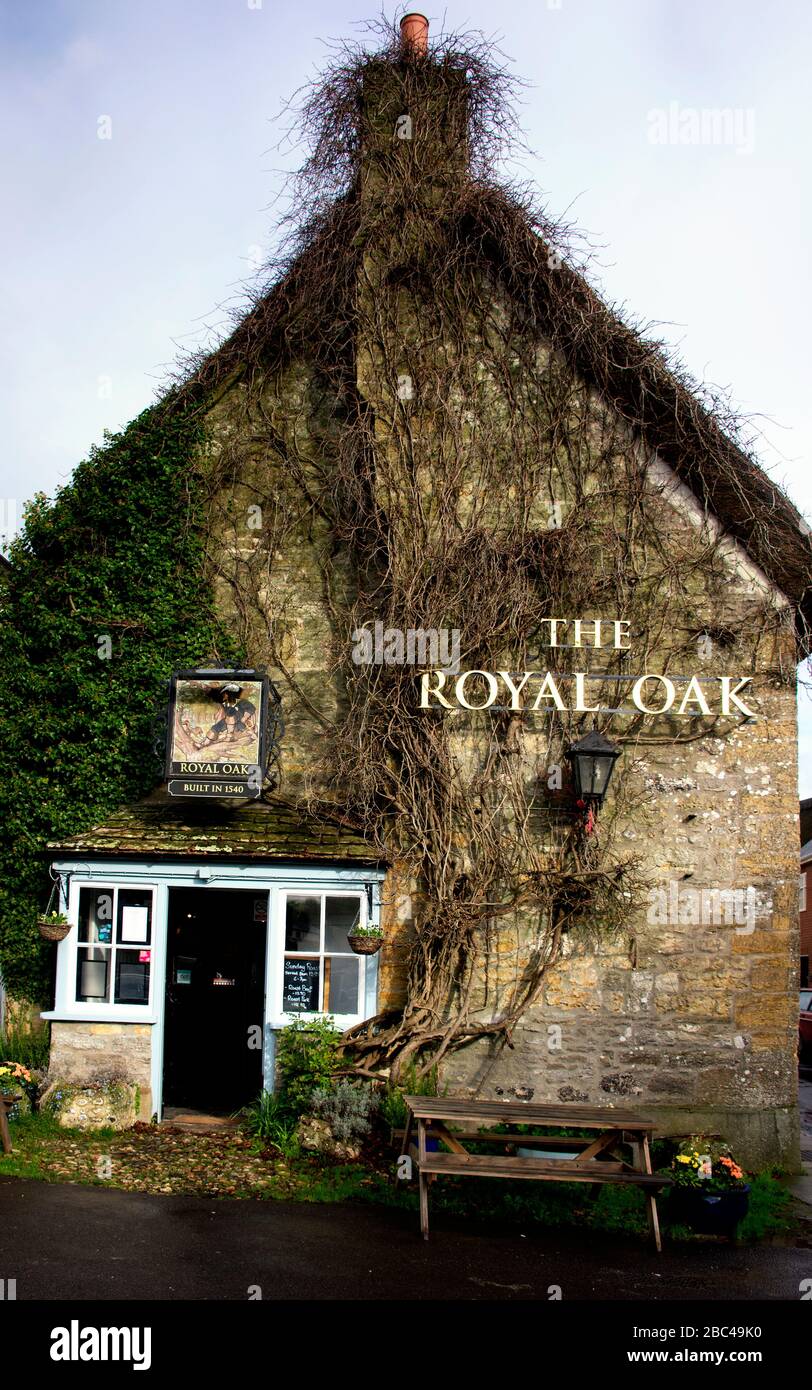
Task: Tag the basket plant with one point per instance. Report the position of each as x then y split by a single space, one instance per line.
53 926
365 941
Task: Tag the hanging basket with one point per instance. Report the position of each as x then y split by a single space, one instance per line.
364 945
51 930
49 925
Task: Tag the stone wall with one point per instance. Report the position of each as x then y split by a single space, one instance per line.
695 1023
88 1051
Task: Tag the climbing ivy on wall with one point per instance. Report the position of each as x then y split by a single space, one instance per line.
106 593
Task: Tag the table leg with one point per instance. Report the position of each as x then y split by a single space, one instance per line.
4 1129
651 1200
642 1162
424 1204
423 1178
407 1134
654 1221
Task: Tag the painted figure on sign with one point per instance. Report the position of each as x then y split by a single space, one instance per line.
235 716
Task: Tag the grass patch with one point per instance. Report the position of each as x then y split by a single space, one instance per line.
770 1210
163 1160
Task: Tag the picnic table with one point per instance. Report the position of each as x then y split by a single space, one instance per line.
6 1102
599 1159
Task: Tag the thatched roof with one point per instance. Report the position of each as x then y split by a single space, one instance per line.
636 375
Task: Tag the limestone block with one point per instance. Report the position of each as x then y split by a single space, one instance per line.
763 1011
112 1106
573 986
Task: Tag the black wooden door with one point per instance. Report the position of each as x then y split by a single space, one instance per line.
215 990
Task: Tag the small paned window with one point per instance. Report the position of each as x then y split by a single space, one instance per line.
321 973
114 955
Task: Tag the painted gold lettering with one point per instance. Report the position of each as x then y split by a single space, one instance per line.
548 690
426 689
515 690
459 688
637 694
729 695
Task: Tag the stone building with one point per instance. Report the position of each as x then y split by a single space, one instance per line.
432 429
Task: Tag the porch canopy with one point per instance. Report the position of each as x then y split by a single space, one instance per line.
268 829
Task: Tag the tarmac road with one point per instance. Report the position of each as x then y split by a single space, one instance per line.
64 1241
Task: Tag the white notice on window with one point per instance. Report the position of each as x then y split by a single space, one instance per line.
134 924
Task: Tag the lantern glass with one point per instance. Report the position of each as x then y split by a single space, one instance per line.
593 759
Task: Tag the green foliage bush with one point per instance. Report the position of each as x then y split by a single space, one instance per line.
30 1048
117 552
269 1120
307 1060
393 1106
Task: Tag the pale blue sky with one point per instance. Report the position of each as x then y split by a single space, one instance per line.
117 252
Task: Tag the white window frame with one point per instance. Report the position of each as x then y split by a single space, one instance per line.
277 954
66 1005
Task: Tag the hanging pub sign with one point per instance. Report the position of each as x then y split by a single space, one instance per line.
218 733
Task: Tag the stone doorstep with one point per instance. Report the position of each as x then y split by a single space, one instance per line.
197 1122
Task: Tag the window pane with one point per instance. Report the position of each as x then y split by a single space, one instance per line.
341 984
300 993
92 973
96 915
132 977
341 915
134 914
302 924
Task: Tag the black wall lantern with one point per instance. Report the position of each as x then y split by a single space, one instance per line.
593 759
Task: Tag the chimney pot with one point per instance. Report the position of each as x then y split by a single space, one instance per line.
414 34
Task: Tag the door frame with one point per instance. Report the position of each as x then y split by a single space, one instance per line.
259 936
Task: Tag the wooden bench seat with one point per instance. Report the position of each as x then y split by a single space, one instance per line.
564 1170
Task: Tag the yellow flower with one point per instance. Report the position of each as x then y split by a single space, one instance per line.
683 1158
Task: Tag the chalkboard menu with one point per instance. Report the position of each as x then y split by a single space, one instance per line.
301 987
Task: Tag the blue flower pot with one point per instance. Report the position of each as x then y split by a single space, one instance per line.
712 1213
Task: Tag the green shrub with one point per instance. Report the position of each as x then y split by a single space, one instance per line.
30 1049
307 1060
393 1107
347 1108
268 1119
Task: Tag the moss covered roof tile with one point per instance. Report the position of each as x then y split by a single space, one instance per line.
267 829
